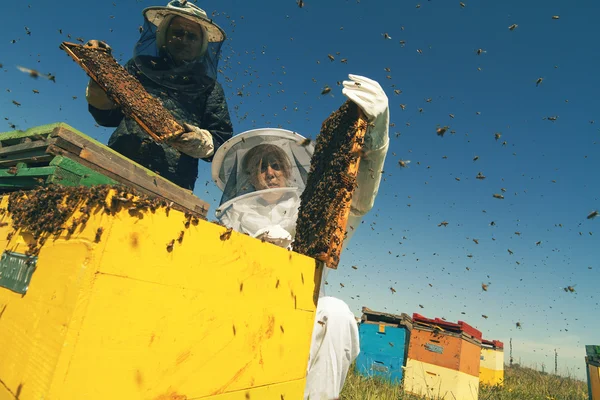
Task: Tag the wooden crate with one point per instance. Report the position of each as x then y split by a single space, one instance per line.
58 153
123 317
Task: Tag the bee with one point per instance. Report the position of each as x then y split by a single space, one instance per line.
555 17
397 91
180 237
300 3
354 267
480 176
484 316
418 6
421 305
322 323
392 290
593 214
99 232
538 243
513 27
570 289
552 118
462 5
141 29
344 60
332 58
80 40
442 130
35 91
304 142
510 251
443 223
402 43
503 190
391 344
419 51
386 36
403 163
12 170
326 90
16 103
518 325
484 287
457 179
539 81
480 51
498 196
476 241
497 135
403 106
341 284
226 235
475 158
170 245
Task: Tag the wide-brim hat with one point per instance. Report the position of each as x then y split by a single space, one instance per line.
157 14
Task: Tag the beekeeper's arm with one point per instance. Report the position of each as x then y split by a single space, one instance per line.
371 99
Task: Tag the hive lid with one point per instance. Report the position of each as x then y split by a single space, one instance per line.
461 327
371 316
495 344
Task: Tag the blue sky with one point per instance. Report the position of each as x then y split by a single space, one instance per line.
276 55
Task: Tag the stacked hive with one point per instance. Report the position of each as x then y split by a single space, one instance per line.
383 344
491 370
443 359
593 371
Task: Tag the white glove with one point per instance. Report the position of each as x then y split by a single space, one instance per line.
197 143
370 97
97 97
275 234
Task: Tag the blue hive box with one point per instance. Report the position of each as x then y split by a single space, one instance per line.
383 344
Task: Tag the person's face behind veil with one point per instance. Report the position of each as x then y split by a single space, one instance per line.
268 168
184 40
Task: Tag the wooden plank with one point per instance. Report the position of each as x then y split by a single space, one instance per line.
123 173
133 172
25 147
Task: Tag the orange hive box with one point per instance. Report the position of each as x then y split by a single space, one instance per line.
491 370
443 359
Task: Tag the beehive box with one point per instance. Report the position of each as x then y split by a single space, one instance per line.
491 369
592 360
443 359
383 344
148 303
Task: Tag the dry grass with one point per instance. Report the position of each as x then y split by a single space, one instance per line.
519 384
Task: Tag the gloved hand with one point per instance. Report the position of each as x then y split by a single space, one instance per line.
100 45
97 97
275 234
196 142
372 100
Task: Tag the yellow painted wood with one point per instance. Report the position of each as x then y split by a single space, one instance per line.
439 382
381 328
491 369
594 384
125 318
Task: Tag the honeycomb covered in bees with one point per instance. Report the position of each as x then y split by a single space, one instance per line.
125 90
325 203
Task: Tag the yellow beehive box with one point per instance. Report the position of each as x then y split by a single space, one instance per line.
491 368
130 312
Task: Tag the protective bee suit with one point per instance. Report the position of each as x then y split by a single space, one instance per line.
177 66
271 212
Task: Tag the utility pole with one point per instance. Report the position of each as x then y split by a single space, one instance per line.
511 357
555 362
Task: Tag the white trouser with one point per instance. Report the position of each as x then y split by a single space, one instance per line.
333 347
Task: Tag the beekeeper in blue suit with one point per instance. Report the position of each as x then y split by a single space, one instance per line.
262 174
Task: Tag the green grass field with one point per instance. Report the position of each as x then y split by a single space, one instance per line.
519 384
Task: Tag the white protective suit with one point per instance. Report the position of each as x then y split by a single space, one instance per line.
334 344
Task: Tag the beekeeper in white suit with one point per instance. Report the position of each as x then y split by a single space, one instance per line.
262 173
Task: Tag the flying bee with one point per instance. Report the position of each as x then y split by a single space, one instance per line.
332 58
552 118
419 51
442 130
403 163
392 290
354 267
480 51
510 251
538 243
403 106
571 289
443 223
344 60
497 135
341 284
226 235
555 17
498 196
386 36
304 142
480 176
518 325
397 91
512 27
593 214
539 81
451 116
35 91
475 158
421 306
300 3
484 316
16 103
476 241
462 5
326 90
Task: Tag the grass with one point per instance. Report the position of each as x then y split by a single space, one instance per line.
519 384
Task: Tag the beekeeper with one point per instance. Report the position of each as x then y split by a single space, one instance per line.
176 62
262 174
